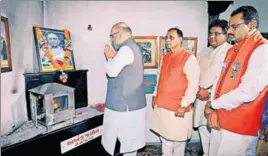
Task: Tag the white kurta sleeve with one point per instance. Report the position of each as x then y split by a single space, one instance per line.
192 72
252 83
202 53
124 57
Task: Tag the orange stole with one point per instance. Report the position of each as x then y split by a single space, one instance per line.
245 119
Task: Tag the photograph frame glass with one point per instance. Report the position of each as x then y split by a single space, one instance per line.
162 45
56 42
162 48
6 63
149 50
190 44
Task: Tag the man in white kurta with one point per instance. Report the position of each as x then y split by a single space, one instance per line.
125 107
175 128
211 60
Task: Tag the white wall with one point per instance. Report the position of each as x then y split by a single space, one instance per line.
145 18
260 5
21 16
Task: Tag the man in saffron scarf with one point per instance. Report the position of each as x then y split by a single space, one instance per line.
235 113
176 91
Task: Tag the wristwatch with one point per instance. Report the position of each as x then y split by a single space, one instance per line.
183 108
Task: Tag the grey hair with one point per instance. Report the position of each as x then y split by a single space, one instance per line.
126 29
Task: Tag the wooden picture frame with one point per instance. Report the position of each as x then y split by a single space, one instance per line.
56 42
149 50
162 45
190 44
162 48
6 63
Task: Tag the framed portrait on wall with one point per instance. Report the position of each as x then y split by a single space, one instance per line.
162 48
6 64
54 49
149 50
162 45
190 44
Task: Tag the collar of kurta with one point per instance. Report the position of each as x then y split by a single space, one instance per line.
220 46
177 52
129 40
217 49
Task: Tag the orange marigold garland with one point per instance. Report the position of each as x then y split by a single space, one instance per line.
67 47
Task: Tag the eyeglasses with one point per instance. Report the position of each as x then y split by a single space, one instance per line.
112 35
169 37
235 26
215 33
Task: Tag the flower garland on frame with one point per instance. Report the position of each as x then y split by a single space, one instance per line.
67 48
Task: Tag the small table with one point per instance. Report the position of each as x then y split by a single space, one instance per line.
49 144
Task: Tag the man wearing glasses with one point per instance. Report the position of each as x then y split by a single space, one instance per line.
211 60
175 93
125 106
236 110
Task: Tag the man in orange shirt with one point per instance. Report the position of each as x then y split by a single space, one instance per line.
235 113
176 91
